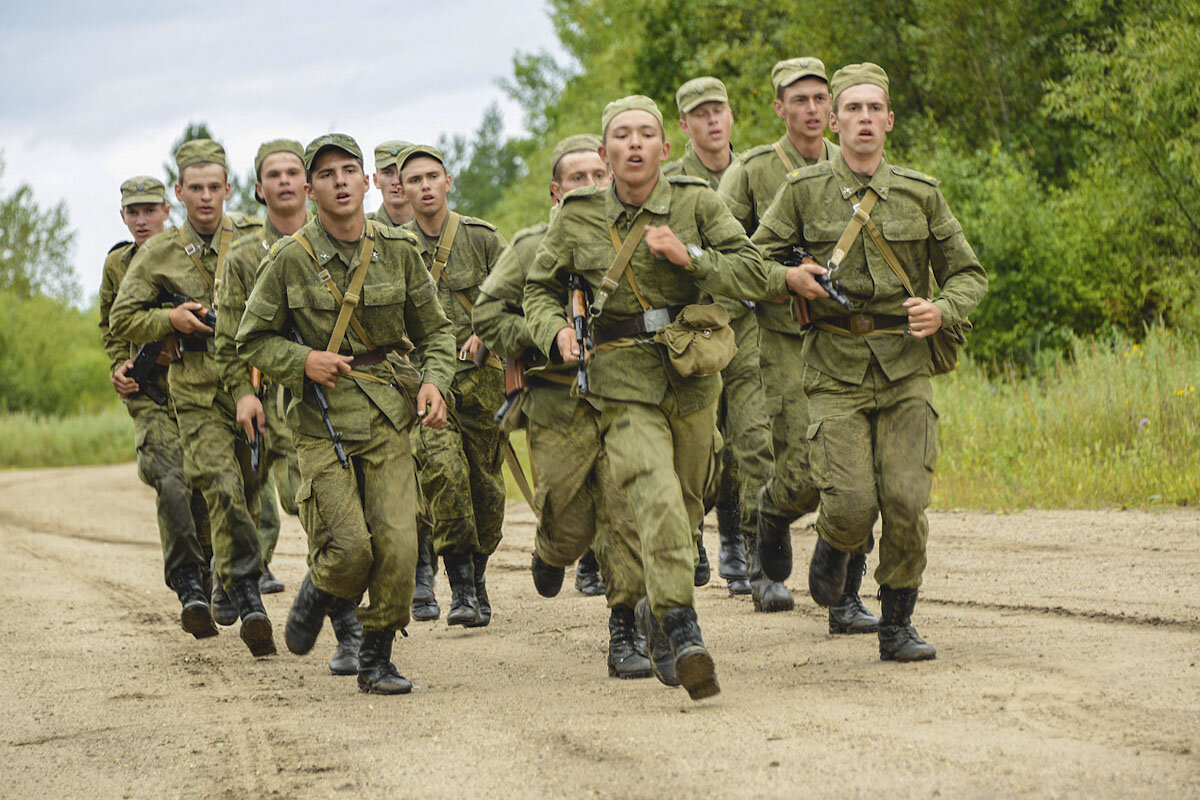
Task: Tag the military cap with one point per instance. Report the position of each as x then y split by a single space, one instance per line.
338 140
389 152
415 150
700 90
199 151
790 70
855 74
270 149
142 189
632 102
578 143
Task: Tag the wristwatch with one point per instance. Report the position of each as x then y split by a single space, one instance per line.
694 252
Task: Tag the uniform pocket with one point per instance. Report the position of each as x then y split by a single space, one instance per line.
931 430
817 457
309 296
310 516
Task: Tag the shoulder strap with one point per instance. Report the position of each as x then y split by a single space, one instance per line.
222 253
616 240
349 302
787 162
862 215
621 262
445 242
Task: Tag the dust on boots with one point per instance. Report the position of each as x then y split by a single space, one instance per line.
849 615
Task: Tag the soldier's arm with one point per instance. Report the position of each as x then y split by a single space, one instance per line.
735 194
262 332
116 348
231 305
497 317
427 325
135 316
731 265
962 278
545 288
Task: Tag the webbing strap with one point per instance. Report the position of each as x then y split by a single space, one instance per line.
620 262
445 242
514 466
889 256
787 162
350 301
862 215
222 253
616 239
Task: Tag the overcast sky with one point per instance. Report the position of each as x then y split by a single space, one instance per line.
92 93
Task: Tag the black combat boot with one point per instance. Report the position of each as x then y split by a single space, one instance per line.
626 656
206 575
485 605
703 573
223 610
774 543
256 627
425 605
898 639
306 617
693 665
731 563
196 617
768 596
268 583
587 575
349 636
464 605
827 573
662 660
849 615
546 579
376 672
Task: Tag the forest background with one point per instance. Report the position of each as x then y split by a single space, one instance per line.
1066 136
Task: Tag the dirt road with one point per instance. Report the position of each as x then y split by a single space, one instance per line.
1068 665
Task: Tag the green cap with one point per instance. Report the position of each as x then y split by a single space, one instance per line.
579 143
270 149
855 74
199 151
630 103
790 70
339 140
415 150
700 90
142 189
389 152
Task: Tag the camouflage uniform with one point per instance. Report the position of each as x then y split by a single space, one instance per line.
183 526
459 465
361 522
578 503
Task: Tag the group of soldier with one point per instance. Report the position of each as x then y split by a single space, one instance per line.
667 340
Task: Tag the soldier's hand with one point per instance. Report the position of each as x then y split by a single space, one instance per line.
325 368
250 413
183 318
567 344
431 406
470 348
124 386
924 317
663 243
800 280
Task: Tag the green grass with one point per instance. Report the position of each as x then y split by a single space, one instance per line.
98 437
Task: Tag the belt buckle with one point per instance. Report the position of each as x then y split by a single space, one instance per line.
655 319
862 323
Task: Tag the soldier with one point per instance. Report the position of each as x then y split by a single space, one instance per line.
395 210
657 425
459 465
190 260
358 290
873 435
578 503
182 515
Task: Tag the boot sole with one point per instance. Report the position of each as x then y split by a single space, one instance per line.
257 634
738 586
347 670
270 588
698 674
481 623
613 672
426 613
197 620
451 620
374 689
837 629
894 657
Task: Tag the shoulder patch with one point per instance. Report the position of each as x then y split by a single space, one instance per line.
758 151
532 230
582 191
672 167
905 172
244 220
389 232
119 245
686 180
809 171
280 243
477 221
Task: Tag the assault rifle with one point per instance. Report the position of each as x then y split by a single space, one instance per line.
256 383
579 306
514 384
323 406
150 354
837 293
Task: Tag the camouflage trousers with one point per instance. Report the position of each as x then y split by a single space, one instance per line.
790 490
580 506
661 458
217 446
183 527
874 448
362 522
459 466
278 473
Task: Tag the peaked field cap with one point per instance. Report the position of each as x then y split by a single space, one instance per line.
579 143
276 146
412 151
855 74
339 140
388 153
638 102
199 151
142 189
700 90
790 70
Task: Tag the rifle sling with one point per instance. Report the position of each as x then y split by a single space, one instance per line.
787 162
620 263
222 254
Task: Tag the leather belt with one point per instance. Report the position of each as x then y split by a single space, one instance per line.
370 357
861 324
650 321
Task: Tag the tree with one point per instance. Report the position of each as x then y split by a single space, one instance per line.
241 196
483 167
35 247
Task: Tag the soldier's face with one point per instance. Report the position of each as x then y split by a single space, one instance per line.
338 184
203 190
145 220
282 184
709 125
387 181
863 119
804 107
425 185
578 169
634 147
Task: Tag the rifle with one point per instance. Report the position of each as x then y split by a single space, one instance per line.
256 383
579 306
206 315
323 406
514 384
150 354
837 293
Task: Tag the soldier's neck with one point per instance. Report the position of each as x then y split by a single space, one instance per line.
288 223
206 229
632 195
431 224
863 164
811 149
714 161
348 228
400 215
